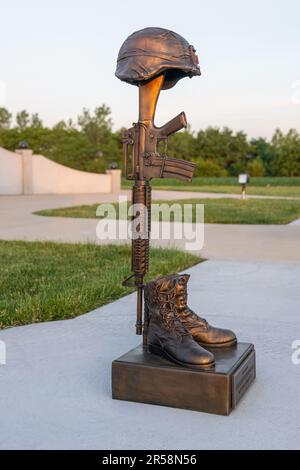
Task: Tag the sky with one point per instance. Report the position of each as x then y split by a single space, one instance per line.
59 56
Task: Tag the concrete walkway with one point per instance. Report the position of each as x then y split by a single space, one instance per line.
56 392
55 386
235 242
295 222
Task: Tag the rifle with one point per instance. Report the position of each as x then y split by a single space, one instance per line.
141 165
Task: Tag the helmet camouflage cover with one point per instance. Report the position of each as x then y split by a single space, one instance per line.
152 51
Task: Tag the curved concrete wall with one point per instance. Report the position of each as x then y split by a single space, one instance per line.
50 177
11 172
25 173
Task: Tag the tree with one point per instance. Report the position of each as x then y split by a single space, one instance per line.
97 126
5 118
98 129
209 168
287 153
91 145
264 151
22 119
61 125
182 145
255 167
36 122
223 147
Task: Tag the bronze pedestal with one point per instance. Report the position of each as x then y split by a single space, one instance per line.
146 378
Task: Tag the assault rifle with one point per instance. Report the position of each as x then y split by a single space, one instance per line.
142 163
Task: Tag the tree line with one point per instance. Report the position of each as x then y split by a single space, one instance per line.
90 144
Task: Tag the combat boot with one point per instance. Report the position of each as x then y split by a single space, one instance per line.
201 330
166 335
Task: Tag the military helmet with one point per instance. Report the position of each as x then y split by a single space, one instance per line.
151 51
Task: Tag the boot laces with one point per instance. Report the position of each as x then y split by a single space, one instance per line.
187 312
167 301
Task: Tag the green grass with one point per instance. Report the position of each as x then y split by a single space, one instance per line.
43 281
228 181
267 186
219 211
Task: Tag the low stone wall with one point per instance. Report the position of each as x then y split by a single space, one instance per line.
11 172
25 173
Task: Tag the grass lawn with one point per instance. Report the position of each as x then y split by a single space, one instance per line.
221 211
268 186
43 281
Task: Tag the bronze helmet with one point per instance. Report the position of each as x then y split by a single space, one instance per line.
151 51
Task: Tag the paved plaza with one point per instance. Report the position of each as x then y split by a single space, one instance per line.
222 241
56 386
56 390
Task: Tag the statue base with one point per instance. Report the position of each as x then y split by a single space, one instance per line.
143 377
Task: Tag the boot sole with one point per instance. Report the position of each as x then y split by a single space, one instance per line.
229 344
162 353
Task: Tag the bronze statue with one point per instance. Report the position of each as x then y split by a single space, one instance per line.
174 331
155 59
193 365
202 332
166 334
150 52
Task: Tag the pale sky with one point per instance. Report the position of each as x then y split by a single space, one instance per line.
59 56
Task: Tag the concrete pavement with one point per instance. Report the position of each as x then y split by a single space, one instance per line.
56 391
236 242
295 222
55 386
